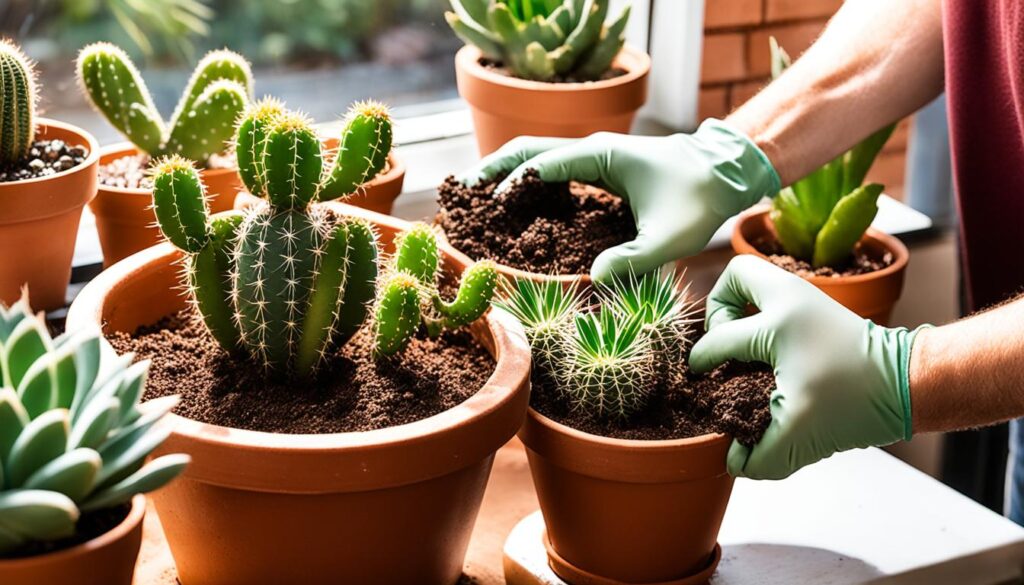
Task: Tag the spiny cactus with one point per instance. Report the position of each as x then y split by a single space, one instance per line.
542 39
546 309
203 121
409 294
286 282
663 304
73 436
17 103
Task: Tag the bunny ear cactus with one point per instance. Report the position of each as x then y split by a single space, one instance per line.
18 97
409 294
203 121
821 217
284 282
542 39
73 436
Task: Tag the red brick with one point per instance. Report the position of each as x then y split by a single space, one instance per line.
731 13
724 57
713 102
781 10
795 38
741 92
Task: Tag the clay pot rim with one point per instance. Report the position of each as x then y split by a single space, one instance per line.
626 445
636 62
134 517
901 255
511 370
91 159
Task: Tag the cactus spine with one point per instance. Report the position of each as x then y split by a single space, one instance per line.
542 40
17 103
285 282
413 276
216 95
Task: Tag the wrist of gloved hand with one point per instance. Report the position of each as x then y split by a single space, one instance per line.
738 162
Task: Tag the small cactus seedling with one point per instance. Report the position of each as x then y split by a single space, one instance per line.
73 436
17 103
286 282
663 304
204 120
546 309
542 39
409 294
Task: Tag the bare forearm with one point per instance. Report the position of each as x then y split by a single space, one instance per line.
969 373
876 62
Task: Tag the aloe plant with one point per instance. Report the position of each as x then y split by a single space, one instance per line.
821 217
73 436
542 39
203 121
18 97
605 359
409 295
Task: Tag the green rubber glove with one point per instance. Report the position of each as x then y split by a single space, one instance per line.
842 382
681 188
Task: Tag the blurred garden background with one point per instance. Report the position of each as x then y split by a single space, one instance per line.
317 55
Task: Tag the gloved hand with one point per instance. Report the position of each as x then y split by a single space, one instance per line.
681 188
841 381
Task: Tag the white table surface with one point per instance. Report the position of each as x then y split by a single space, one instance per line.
859 517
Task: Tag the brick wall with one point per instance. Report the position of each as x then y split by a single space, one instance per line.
736 62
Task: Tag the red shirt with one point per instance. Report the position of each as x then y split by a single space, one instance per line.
984 47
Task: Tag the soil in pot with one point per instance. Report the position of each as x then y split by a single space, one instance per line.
355 393
549 228
500 68
859 262
45 158
90 525
130 172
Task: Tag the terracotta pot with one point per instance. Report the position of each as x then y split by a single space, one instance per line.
39 223
108 559
390 506
378 195
870 295
628 511
504 107
124 217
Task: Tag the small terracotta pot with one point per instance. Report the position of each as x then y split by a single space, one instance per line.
378 195
390 506
870 295
125 220
504 107
628 511
39 223
108 559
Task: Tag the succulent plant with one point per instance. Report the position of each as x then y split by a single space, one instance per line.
285 282
18 98
409 294
605 359
542 39
821 217
204 120
73 436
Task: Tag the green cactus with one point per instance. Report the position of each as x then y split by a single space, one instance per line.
821 217
546 309
204 120
663 304
73 436
18 97
286 282
542 39
413 275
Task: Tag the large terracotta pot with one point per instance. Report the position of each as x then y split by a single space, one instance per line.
108 559
628 511
872 295
124 217
39 223
390 506
504 107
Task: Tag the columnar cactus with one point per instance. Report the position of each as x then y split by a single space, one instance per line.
409 295
73 436
542 39
203 121
285 282
17 103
